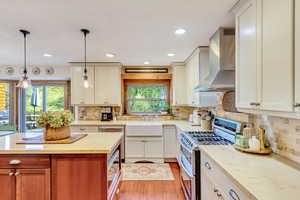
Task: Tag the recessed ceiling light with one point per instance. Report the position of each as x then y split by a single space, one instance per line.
180 31
110 55
146 62
171 54
47 55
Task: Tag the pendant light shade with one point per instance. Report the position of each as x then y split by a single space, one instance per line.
24 81
85 76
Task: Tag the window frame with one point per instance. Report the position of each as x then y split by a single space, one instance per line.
144 83
12 103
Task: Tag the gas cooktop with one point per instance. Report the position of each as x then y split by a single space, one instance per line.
207 138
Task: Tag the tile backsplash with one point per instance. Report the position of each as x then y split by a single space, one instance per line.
93 112
283 134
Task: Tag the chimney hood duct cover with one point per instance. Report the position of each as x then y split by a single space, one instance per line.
220 77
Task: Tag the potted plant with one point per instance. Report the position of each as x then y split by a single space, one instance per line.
57 124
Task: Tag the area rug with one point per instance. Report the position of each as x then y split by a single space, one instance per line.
147 172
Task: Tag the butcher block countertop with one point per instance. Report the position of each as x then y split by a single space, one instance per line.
264 177
93 143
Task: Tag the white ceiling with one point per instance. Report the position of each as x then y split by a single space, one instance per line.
134 30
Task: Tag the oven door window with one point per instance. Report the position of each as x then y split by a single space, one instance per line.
186 154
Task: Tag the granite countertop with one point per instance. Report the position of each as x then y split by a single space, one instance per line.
181 124
93 143
264 177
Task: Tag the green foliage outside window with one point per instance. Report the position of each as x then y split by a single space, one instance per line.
147 98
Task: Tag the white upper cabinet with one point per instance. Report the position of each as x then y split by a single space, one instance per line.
265 69
179 86
277 55
108 85
247 57
193 73
297 55
79 94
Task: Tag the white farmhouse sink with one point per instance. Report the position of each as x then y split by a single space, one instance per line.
138 128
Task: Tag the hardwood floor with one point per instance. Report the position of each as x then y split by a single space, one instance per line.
152 190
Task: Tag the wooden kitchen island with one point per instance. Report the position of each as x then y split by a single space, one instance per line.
89 169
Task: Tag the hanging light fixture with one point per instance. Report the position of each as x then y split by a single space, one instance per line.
85 76
24 81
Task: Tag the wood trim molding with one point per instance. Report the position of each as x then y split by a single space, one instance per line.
141 76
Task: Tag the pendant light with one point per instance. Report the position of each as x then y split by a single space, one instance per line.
85 76
24 81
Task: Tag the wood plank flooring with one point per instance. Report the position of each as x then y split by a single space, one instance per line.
152 190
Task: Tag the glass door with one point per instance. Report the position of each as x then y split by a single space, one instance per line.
38 99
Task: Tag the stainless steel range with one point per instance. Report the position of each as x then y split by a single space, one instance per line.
223 133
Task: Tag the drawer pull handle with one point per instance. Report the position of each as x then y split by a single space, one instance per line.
15 162
297 105
254 104
216 190
233 195
82 129
207 165
219 194
17 173
10 173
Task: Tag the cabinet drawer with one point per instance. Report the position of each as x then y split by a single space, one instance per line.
221 181
24 161
92 129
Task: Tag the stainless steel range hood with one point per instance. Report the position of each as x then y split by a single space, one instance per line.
221 62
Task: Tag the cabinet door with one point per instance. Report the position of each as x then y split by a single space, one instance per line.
170 140
7 184
32 184
248 68
208 189
277 51
134 148
79 94
108 85
179 86
154 148
297 55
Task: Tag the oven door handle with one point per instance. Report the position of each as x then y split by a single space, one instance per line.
184 167
186 147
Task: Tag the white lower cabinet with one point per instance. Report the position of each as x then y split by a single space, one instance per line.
134 148
154 147
170 142
216 185
144 149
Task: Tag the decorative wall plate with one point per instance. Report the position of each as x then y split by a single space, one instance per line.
36 71
50 71
9 70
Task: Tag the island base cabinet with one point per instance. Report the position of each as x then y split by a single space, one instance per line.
79 177
7 182
25 184
32 184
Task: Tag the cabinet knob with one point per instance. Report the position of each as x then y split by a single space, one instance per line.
15 162
10 173
17 173
207 165
297 105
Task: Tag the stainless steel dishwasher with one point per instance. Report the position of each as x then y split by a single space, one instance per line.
115 129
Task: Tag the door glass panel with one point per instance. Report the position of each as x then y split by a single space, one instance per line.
5 104
55 98
42 98
34 106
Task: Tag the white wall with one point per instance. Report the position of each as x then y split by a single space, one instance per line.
60 73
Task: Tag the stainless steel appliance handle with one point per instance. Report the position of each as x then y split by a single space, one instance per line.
113 158
184 167
186 147
233 195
